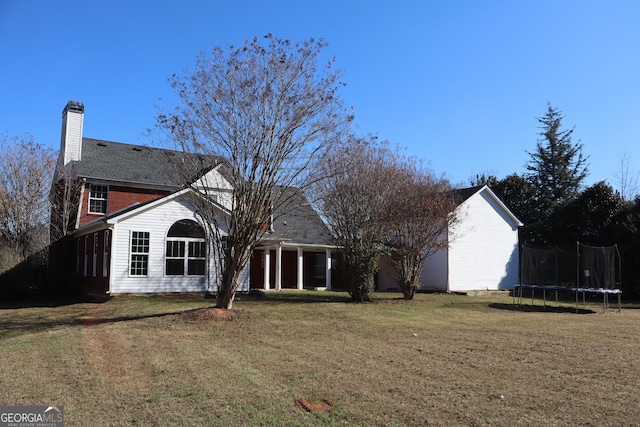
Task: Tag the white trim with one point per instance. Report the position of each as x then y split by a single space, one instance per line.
300 259
279 268
267 269
112 259
500 203
328 267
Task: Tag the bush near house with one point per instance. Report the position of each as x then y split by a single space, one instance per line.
27 279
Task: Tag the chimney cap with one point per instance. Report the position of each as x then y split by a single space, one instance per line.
75 106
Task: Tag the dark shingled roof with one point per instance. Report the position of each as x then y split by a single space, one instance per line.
299 223
135 164
462 194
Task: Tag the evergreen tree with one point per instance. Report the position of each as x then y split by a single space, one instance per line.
557 170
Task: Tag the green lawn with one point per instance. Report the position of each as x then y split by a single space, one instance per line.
439 360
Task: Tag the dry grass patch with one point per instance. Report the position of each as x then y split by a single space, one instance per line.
439 360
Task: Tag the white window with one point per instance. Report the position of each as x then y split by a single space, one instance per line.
321 266
105 254
95 253
139 265
98 199
186 249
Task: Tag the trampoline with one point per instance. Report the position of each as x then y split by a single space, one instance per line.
588 270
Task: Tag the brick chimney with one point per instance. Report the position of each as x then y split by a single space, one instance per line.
71 140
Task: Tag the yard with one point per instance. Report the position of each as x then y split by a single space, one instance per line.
439 360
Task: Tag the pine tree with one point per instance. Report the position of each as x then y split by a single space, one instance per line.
557 168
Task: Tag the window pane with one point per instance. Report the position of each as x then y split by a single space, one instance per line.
175 249
197 249
97 206
175 267
139 265
140 242
186 228
196 267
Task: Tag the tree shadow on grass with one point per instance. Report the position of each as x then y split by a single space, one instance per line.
524 308
48 301
36 324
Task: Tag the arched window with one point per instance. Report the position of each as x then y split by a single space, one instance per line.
186 250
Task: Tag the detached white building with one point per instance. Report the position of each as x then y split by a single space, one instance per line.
483 252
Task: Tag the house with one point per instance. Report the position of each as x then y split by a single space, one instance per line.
483 250
135 226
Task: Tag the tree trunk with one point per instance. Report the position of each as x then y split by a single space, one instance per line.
227 288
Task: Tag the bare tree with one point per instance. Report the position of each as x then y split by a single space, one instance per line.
418 215
260 114
25 175
65 192
627 178
352 199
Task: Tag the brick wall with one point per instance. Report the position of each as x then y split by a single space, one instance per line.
119 197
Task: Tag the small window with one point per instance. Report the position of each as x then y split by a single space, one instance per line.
94 260
98 199
139 253
321 266
105 254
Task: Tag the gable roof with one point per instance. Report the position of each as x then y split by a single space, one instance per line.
464 194
136 164
298 222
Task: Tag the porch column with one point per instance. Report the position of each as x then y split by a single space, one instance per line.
300 266
328 267
279 268
267 268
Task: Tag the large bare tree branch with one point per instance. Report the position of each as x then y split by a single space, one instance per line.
25 175
264 113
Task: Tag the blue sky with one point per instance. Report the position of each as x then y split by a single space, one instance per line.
458 83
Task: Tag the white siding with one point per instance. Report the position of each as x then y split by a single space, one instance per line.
435 272
214 183
157 222
483 251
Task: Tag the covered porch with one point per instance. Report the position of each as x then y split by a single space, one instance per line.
286 265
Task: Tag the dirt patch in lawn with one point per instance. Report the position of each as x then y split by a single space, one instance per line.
317 406
210 315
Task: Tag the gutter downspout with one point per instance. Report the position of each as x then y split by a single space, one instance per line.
112 234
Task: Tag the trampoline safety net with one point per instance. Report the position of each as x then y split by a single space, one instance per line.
587 267
597 267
